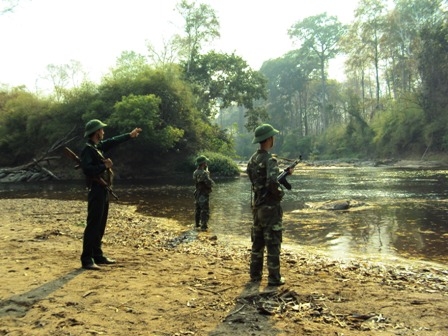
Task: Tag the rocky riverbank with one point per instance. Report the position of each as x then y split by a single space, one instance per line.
173 281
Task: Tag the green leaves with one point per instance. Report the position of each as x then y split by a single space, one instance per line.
223 80
144 111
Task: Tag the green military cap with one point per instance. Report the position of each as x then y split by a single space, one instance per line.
201 159
93 126
263 132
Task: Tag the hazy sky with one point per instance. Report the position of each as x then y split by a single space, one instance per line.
95 32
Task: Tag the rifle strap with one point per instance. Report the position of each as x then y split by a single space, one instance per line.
109 171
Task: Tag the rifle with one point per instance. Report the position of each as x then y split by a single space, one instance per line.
97 179
282 176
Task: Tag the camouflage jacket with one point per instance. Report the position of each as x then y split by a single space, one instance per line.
203 181
263 170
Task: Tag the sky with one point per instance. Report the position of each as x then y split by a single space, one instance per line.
95 32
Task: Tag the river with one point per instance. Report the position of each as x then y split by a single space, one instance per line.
405 213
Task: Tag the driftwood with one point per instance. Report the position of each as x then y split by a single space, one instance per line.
35 170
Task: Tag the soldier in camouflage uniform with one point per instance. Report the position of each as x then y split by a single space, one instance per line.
94 164
263 170
203 183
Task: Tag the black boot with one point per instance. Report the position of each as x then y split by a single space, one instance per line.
197 220
256 270
204 227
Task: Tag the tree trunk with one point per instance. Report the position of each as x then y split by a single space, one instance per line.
34 170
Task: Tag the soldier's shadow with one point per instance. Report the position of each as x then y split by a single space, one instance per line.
19 304
249 315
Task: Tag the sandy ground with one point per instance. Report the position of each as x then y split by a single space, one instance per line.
169 281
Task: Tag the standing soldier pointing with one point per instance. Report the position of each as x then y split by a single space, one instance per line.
95 165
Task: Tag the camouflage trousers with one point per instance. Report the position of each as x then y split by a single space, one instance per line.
202 210
266 233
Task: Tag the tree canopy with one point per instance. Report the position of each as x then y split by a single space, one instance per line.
190 98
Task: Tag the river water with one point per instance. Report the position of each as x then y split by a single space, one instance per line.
404 213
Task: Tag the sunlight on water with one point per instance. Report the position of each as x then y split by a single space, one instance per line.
403 212
400 206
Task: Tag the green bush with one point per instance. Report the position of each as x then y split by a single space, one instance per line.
219 165
400 128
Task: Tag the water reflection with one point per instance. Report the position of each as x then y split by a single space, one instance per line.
405 214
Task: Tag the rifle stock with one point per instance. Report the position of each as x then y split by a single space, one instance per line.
97 179
71 155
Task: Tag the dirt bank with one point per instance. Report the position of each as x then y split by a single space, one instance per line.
171 282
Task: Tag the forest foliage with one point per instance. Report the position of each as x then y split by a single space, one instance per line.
392 104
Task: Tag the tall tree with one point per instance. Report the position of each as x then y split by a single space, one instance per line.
223 80
289 79
321 34
167 55
369 26
65 76
402 42
201 26
357 66
129 65
433 67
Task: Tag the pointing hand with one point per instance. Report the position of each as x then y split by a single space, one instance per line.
135 132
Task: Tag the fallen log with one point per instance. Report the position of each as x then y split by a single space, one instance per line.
34 170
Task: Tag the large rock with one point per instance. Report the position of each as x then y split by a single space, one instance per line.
335 205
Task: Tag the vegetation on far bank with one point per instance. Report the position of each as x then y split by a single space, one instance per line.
392 105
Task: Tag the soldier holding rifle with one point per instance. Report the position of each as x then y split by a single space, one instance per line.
263 172
98 168
203 183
